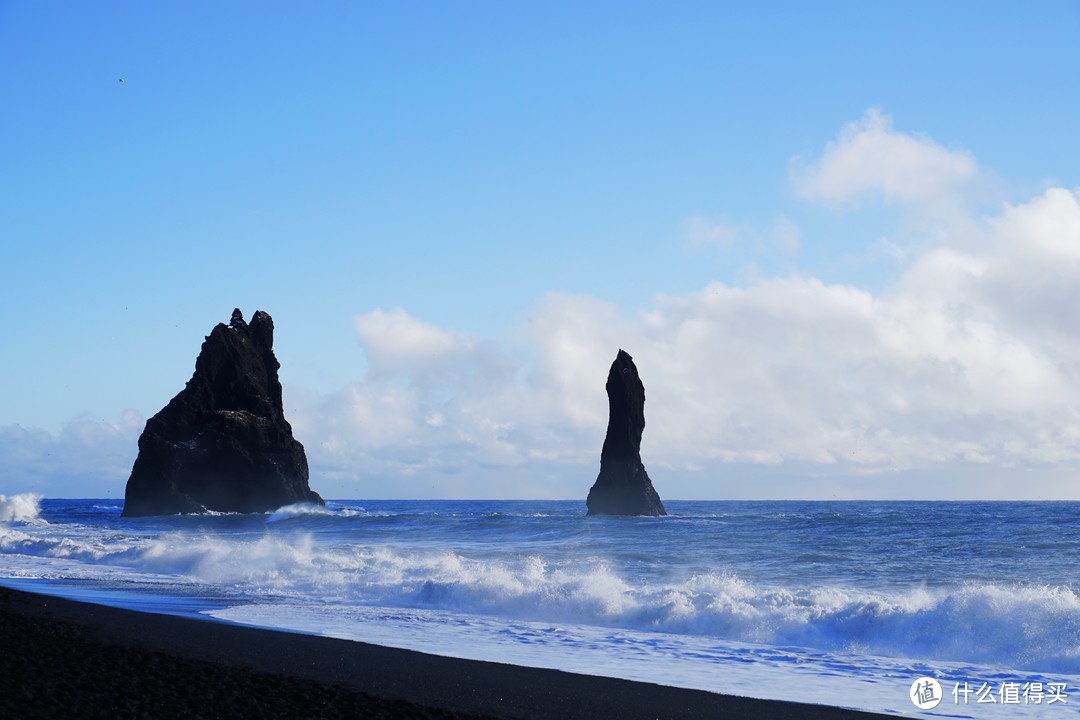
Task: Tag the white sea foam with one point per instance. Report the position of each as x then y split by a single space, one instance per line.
297 510
20 508
301 510
852 680
1023 627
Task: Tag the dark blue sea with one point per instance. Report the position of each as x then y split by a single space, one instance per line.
844 603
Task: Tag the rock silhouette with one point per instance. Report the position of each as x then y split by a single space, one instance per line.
623 487
223 442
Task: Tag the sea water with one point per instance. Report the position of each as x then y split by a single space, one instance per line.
841 603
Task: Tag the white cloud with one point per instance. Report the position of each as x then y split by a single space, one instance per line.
396 342
952 368
870 159
1032 267
956 380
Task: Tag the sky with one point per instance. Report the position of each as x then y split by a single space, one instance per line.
841 240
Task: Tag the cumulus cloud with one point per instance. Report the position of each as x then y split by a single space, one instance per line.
1030 270
395 342
428 403
967 361
954 381
872 160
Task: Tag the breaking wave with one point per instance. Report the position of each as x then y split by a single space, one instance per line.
1021 626
297 510
22 508
306 510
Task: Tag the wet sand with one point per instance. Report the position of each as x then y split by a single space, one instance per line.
65 659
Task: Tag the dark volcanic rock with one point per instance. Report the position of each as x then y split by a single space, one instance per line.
623 487
223 442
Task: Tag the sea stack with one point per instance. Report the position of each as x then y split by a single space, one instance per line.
623 487
222 443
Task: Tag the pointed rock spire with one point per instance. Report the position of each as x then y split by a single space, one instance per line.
623 487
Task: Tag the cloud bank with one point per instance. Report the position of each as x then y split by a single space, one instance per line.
962 372
87 457
959 380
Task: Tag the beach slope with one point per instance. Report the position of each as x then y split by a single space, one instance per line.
61 658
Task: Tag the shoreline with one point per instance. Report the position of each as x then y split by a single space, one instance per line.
67 658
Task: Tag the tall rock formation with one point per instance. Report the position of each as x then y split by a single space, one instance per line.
223 442
623 487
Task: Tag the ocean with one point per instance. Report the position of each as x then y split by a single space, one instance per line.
841 603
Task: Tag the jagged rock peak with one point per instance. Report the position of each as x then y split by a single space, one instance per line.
223 442
623 487
262 330
237 320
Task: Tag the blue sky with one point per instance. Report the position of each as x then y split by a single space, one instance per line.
839 239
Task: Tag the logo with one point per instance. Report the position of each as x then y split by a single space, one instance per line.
925 693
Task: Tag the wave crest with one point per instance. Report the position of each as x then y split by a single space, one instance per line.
23 507
1023 627
306 509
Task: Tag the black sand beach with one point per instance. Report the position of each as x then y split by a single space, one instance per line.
66 659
